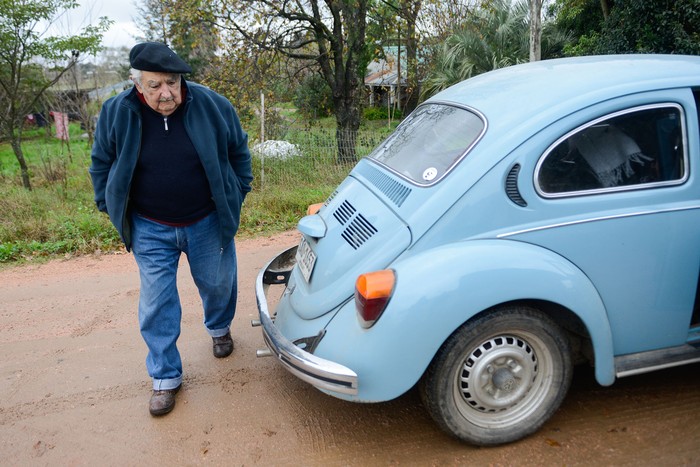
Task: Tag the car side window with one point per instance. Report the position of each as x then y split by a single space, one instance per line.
637 147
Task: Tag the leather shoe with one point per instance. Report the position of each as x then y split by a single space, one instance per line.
223 346
163 401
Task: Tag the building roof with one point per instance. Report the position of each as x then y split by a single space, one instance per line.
384 72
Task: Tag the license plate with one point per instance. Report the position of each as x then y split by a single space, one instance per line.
306 259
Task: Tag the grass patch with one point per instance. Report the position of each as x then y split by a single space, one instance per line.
58 217
277 210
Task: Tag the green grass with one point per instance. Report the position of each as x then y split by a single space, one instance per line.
276 209
58 217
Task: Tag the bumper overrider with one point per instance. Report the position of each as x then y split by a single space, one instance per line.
323 374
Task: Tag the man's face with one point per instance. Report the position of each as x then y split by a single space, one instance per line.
161 90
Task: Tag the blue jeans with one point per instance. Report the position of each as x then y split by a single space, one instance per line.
157 249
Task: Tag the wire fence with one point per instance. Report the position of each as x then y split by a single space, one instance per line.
310 155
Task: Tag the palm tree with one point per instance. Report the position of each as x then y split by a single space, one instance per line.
493 37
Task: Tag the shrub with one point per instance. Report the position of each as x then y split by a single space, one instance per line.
380 113
313 98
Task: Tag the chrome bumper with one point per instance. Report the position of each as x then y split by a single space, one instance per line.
321 373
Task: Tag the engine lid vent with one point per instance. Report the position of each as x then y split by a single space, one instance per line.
344 212
358 229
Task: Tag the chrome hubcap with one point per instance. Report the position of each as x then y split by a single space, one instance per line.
498 374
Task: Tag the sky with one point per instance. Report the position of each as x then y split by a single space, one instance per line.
122 12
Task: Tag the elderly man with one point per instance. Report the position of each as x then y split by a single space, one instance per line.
171 168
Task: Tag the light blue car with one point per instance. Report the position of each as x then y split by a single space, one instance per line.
514 225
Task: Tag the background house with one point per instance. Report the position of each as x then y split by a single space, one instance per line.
382 79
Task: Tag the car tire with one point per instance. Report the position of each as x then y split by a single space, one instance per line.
499 377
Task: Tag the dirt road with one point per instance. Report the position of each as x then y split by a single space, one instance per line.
74 391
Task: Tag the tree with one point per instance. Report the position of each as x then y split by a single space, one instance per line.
441 18
313 97
535 30
74 99
493 36
632 26
185 25
111 63
652 26
241 74
579 17
490 38
194 34
408 11
331 33
153 20
419 28
27 50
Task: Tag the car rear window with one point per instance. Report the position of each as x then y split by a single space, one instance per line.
429 142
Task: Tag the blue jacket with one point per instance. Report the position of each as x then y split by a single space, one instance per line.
215 130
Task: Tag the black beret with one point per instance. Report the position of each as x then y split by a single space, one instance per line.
156 56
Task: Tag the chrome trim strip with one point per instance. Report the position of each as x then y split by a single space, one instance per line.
596 219
649 369
316 371
644 362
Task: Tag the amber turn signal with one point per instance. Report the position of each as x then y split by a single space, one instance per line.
372 293
313 209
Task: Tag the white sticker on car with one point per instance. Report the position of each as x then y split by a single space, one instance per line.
429 174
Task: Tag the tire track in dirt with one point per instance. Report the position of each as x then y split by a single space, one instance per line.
231 381
51 404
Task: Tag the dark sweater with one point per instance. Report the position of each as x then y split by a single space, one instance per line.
169 183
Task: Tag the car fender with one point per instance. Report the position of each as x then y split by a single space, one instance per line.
438 290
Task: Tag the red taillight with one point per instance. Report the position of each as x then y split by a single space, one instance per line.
372 293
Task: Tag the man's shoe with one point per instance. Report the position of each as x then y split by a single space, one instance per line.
223 346
162 401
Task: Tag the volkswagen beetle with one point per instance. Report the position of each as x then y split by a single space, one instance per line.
514 225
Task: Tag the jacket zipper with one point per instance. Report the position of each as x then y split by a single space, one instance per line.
165 121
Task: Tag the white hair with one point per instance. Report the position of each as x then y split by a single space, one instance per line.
135 76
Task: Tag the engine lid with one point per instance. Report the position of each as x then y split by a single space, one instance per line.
362 234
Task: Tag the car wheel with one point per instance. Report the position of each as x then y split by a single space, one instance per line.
499 377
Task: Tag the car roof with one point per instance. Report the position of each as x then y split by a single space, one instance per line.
550 89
